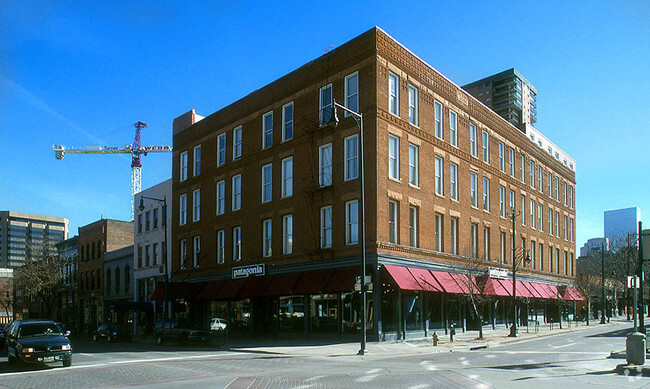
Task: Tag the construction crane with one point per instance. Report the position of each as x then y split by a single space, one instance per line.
136 150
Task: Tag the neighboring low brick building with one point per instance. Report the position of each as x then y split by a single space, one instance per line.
268 184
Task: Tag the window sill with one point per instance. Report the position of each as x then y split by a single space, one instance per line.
395 179
414 186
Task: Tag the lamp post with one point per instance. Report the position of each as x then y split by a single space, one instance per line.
602 280
358 118
513 328
163 202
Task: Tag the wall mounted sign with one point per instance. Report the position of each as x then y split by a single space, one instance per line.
247 271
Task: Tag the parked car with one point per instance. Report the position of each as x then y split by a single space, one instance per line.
217 324
111 333
38 342
178 330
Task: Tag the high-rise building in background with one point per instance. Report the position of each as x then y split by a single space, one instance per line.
25 236
509 94
620 222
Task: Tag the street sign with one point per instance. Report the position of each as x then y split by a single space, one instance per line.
633 282
496 272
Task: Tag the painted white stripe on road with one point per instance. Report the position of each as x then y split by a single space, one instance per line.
565 345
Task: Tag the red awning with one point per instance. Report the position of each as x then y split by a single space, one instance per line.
254 286
531 289
403 277
313 282
159 292
447 281
522 291
426 280
210 289
546 291
571 293
282 284
342 280
229 289
494 288
465 282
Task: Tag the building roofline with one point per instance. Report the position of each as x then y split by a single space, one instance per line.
502 74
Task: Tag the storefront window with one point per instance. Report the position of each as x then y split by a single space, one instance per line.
291 314
324 313
240 315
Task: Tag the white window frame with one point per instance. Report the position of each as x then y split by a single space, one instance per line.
502 201
473 135
502 161
221 197
393 95
486 243
237 140
323 105
326 227
197 161
533 217
413 105
540 179
473 240
502 247
324 166
287 234
393 221
221 149
352 222
287 177
454 235
196 250
221 247
183 253
473 189
351 151
485 139
511 161
522 168
236 192
531 167
413 225
453 128
438 117
267 238
393 157
439 178
267 183
348 95
523 210
236 244
486 194
453 181
183 166
196 205
182 215
267 131
439 241
287 122
414 162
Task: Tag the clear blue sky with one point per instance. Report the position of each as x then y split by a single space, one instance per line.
79 73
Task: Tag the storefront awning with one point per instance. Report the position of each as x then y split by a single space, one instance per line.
425 279
342 280
534 293
494 288
313 282
254 286
210 289
545 290
571 293
403 277
176 291
281 285
447 281
522 290
229 290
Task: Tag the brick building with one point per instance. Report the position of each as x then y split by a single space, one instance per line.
94 240
267 188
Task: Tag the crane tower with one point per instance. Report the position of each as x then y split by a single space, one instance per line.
136 150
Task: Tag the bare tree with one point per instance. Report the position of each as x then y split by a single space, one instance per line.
587 281
473 277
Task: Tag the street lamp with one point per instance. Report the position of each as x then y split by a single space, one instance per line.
602 279
524 257
358 118
163 202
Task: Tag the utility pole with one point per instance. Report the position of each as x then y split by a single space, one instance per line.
627 273
602 274
639 272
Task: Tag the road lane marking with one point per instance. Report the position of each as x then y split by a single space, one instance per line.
565 345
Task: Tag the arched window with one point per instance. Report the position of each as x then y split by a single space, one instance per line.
87 253
108 281
92 253
117 280
127 279
99 249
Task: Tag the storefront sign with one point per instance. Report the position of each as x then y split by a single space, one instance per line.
246 271
496 272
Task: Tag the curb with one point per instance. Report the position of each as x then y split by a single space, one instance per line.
633 370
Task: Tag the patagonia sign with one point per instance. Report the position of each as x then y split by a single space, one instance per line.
246 271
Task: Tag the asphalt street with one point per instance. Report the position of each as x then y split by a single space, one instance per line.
568 358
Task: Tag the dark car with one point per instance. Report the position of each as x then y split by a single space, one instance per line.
179 331
111 333
37 342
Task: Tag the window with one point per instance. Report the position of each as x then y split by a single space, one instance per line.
183 166
502 161
532 174
565 193
570 230
236 143
267 130
523 210
540 216
108 281
486 147
221 149
117 281
533 218
221 197
236 192
393 93
267 183
413 105
196 251
197 160
564 228
155 254
287 121
474 240
550 183
550 259
557 188
486 243
236 244
351 157
139 256
326 106
540 179
352 92
266 237
513 202
502 247
522 165
183 253
287 234
486 194
139 223
439 232
453 181
502 201
414 171
196 205
326 227
287 177
550 221
182 219
473 148
352 222
325 165
557 260
221 246
393 157
453 128
511 161
473 183
438 118
393 210
541 256
454 235
439 176
155 218
147 221
413 226
533 254
571 204
557 224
